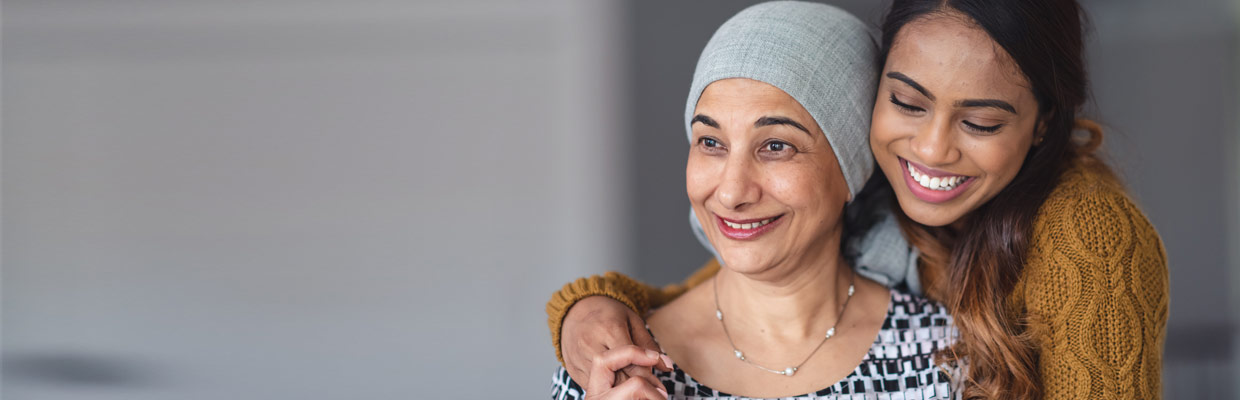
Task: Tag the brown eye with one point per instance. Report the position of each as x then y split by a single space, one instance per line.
775 148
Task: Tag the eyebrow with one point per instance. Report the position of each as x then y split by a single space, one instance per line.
916 86
768 121
761 122
1000 104
992 103
708 121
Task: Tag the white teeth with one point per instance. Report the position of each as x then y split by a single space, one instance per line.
751 225
934 183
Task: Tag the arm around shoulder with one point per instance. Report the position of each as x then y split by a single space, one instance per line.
1096 294
633 293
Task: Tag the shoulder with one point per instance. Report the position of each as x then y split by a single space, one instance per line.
1095 287
1093 255
1089 215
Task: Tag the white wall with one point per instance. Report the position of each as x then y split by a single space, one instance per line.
301 199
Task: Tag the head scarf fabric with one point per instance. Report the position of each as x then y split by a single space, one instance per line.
823 57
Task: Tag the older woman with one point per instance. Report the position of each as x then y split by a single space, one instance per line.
777 118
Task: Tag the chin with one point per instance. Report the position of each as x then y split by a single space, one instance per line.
928 214
743 261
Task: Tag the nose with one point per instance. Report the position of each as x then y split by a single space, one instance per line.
935 144
739 187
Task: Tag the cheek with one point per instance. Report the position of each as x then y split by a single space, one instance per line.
807 189
885 128
701 177
1000 159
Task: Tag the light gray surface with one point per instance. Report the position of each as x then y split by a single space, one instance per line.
301 200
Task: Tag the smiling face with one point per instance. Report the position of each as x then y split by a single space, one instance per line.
953 120
762 178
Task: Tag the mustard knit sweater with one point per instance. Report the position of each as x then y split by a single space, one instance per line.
1094 290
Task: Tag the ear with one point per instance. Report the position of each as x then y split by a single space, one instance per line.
1039 131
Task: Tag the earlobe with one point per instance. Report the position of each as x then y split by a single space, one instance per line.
1040 132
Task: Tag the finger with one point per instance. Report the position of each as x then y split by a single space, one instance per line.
602 372
634 371
642 338
621 376
638 389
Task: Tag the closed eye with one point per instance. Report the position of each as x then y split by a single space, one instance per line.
904 106
982 128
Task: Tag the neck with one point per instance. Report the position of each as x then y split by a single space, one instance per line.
790 304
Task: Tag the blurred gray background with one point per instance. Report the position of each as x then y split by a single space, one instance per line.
373 199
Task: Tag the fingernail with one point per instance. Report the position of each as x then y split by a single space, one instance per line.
664 392
666 360
652 354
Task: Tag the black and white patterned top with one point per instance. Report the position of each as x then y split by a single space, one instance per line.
900 364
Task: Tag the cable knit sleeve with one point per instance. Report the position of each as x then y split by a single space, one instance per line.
633 293
1096 293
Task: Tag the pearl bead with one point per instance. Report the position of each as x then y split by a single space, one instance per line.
789 371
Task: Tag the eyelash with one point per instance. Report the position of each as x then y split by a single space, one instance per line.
765 146
905 107
702 141
972 126
983 129
787 146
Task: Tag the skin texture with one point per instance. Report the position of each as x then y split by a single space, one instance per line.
780 290
739 171
604 385
600 327
954 62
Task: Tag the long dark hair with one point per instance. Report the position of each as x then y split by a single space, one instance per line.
973 270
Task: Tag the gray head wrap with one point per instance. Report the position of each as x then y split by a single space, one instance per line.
820 55
825 59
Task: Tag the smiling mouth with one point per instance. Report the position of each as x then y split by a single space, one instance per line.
751 225
931 185
746 229
941 182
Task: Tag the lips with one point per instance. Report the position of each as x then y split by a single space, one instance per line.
931 185
746 229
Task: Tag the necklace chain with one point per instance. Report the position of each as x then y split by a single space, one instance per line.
793 369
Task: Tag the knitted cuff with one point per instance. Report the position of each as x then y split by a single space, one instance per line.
612 284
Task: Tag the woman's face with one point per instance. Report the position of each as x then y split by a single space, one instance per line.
761 176
953 121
